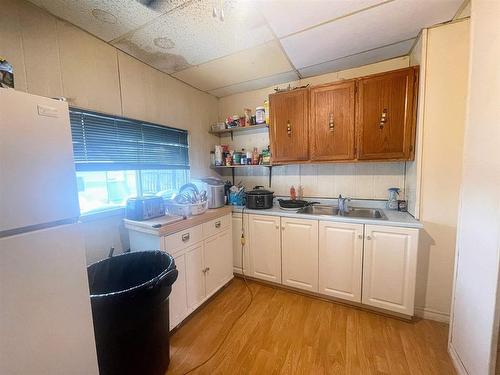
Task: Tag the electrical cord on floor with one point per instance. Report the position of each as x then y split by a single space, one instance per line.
242 240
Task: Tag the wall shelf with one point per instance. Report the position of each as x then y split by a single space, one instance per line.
238 129
233 167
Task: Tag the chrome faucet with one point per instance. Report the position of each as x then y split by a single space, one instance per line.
343 204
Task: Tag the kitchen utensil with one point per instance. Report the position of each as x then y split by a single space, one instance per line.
289 204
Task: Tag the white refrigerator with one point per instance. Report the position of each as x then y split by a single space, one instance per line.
45 315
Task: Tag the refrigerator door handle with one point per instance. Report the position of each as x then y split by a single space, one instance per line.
32 228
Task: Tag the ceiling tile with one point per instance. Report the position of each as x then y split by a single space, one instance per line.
190 35
363 58
108 19
255 84
378 26
254 63
289 16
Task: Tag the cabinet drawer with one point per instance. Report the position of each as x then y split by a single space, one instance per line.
183 239
216 226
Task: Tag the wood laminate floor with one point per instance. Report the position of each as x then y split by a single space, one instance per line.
288 333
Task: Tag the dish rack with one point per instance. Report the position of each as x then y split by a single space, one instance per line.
187 209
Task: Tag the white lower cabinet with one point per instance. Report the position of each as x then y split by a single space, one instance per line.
178 306
238 260
370 264
300 253
195 277
340 260
389 268
264 247
203 256
218 265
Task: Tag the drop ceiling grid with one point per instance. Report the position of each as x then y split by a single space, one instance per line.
242 66
378 26
193 31
222 58
287 17
125 15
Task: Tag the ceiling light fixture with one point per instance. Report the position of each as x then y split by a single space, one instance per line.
104 16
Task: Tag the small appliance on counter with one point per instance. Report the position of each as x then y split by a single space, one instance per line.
144 208
259 198
215 189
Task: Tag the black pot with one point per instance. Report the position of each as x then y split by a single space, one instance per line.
259 199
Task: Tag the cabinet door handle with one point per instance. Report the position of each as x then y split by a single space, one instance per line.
185 237
288 128
283 228
331 125
368 237
217 224
277 227
383 118
360 236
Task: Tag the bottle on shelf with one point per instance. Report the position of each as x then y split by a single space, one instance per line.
266 111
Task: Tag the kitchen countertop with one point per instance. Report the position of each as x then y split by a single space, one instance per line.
171 224
394 218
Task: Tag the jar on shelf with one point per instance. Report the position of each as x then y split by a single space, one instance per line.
248 117
260 115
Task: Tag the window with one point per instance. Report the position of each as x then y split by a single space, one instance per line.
117 158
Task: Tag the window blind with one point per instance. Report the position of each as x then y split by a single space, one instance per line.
104 143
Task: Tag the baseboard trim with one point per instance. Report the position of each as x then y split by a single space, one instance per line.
455 359
426 313
324 297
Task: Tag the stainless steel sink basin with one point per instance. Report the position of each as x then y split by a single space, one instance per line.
319 209
365 213
354 212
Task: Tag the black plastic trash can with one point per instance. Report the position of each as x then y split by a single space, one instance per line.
129 298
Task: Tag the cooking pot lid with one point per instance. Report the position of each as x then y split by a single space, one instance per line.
258 191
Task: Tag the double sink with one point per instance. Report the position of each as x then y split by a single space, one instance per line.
353 212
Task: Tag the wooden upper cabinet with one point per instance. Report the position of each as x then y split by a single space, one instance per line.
332 121
288 128
386 115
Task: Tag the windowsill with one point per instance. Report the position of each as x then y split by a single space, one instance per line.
98 215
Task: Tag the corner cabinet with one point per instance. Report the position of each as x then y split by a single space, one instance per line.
386 115
240 253
389 268
218 265
370 118
289 125
332 121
